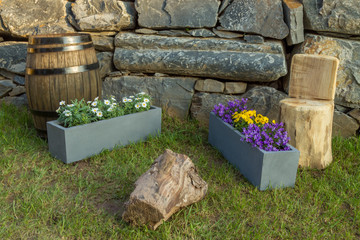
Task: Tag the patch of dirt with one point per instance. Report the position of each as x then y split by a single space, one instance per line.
113 207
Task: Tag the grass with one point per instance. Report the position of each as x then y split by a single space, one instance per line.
42 198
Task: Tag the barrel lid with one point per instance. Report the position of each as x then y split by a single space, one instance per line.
60 39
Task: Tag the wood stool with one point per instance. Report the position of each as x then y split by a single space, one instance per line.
308 113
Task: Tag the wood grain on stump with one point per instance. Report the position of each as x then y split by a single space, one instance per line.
309 125
171 183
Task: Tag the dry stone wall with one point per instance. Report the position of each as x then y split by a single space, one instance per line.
192 54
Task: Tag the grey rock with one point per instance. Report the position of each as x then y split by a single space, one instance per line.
293 15
104 15
227 34
348 76
173 33
18 101
161 75
355 113
235 87
19 80
201 33
5 87
264 17
172 94
146 31
223 5
1 39
204 57
24 18
13 57
265 100
343 125
103 43
254 39
106 63
341 16
209 85
203 104
177 14
18 90
342 108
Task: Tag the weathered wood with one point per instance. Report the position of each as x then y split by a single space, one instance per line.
309 125
170 184
313 77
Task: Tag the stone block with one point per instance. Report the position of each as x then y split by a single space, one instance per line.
159 14
24 18
209 85
339 16
105 15
264 17
343 125
203 57
106 63
201 33
355 113
235 87
103 43
172 94
13 57
5 87
293 15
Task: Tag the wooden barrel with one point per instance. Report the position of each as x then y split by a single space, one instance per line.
59 67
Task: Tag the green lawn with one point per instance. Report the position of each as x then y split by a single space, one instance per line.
42 198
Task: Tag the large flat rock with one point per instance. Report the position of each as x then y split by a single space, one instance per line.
13 57
205 57
348 75
343 125
105 15
177 14
23 18
172 94
264 17
340 16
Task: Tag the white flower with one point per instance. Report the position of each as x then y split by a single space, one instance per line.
107 102
67 113
99 114
143 104
110 109
130 100
97 98
94 104
124 99
137 99
131 97
70 105
58 110
114 104
62 103
113 98
137 105
88 102
94 110
141 93
146 100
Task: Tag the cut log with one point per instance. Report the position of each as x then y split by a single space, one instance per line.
313 77
171 183
309 125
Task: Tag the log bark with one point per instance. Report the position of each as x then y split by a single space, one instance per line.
309 125
171 183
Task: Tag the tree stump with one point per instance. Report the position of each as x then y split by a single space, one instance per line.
171 183
309 125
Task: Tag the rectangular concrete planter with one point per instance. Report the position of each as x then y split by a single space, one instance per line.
262 168
80 142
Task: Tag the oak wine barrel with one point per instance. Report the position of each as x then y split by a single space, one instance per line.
59 67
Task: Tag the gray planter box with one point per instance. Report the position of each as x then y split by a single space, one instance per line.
80 142
263 169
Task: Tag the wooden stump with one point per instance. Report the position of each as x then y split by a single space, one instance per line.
309 124
170 184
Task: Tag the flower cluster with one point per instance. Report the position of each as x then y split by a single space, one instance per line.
256 128
81 112
226 112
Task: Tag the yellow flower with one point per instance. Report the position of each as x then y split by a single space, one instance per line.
273 121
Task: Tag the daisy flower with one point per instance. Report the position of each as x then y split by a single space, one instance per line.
137 106
106 102
97 98
70 105
141 93
131 97
88 102
99 114
124 100
114 104
130 100
62 103
110 109
94 104
143 104
146 100
94 110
